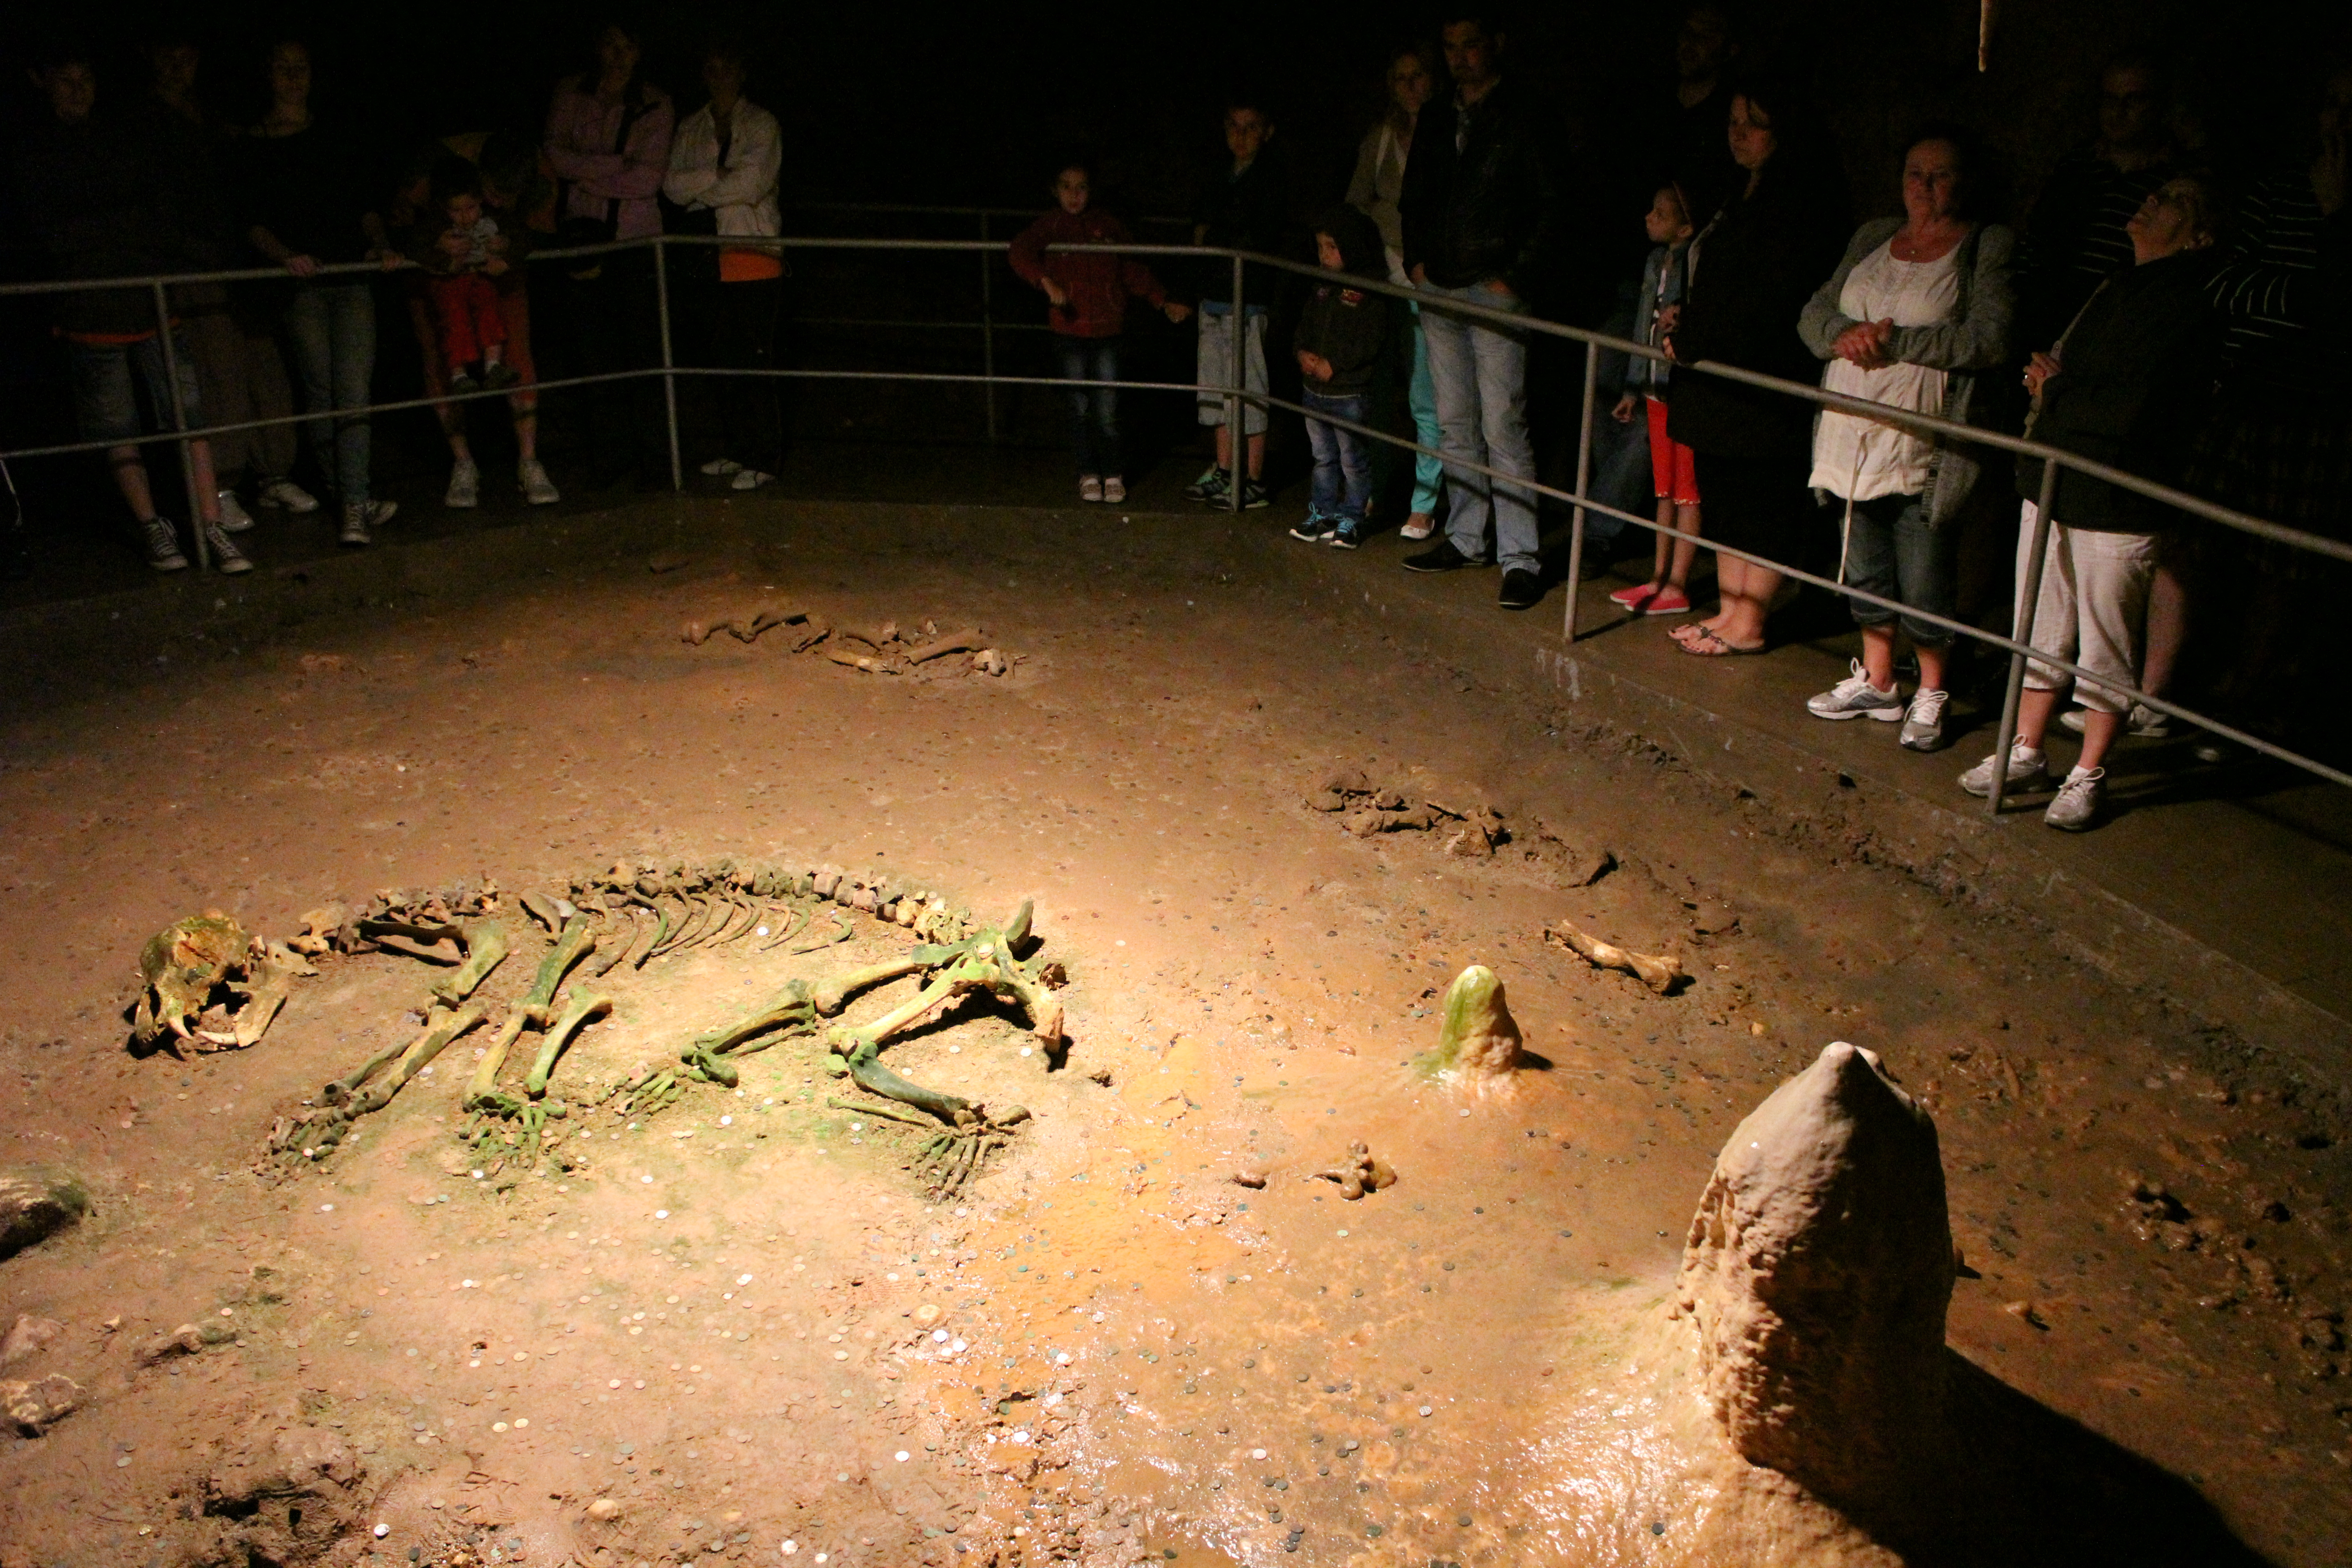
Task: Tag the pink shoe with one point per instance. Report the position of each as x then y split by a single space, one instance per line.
1633 599
1670 601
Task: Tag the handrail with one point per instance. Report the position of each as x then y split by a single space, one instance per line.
2054 459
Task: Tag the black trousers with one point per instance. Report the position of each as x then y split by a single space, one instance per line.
734 326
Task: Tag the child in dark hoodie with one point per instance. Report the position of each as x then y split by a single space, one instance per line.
1339 344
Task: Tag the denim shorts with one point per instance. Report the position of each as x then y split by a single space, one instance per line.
108 377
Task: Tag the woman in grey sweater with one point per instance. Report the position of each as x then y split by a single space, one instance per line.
1919 307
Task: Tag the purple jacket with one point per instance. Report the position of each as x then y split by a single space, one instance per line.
599 182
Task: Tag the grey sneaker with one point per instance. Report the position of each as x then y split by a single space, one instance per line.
2026 765
227 559
1854 697
2078 801
234 518
2145 722
1211 486
537 487
465 491
161 542
1923 722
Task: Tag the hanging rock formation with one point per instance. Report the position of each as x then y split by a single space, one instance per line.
1818 1271
1479 1040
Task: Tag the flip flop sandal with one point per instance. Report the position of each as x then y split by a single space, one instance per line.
1689 630
1707 645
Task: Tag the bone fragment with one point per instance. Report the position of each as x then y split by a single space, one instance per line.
1657 971
344 1088
270 980
323 931
486 949
854 660
990 661
964 641
541 908
1818 1272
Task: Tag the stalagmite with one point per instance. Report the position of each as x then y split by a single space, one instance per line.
1818 1270
1480 1041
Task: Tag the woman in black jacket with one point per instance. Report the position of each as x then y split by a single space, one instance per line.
1751 271
2127 385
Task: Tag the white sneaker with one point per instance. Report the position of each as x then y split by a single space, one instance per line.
1923 722
2078 801
465 486
285 495
537 487
234 518
721 467
161 542
1854 697
2026 765
227 559
751 479
1089 487
1114 489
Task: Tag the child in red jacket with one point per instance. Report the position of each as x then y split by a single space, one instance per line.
1088 294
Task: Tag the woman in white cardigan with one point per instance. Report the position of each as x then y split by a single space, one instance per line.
723 165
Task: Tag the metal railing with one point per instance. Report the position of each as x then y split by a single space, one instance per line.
1236 396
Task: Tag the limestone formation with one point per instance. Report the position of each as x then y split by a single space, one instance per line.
1479 1040
1818 1270
36 1205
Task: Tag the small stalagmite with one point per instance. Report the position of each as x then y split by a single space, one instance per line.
1818 1271
1480 1041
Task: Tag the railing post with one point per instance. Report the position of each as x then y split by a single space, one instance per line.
2028 599
1583 475
180 424
988 329
669 359
1237 380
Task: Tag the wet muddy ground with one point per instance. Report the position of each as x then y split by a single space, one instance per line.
718 1334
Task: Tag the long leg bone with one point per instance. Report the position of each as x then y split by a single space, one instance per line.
559 1036
836 992
576 942
1658 973
344 1088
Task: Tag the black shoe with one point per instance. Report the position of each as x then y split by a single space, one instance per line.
1441 557
1522 589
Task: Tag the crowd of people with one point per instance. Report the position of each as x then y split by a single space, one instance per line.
2141 319
141 179
2143 315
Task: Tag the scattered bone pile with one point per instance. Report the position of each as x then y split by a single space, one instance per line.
1368 808
888 649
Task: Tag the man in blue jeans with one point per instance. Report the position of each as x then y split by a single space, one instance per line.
1476 201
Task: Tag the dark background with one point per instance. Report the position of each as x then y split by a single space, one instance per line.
884 102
